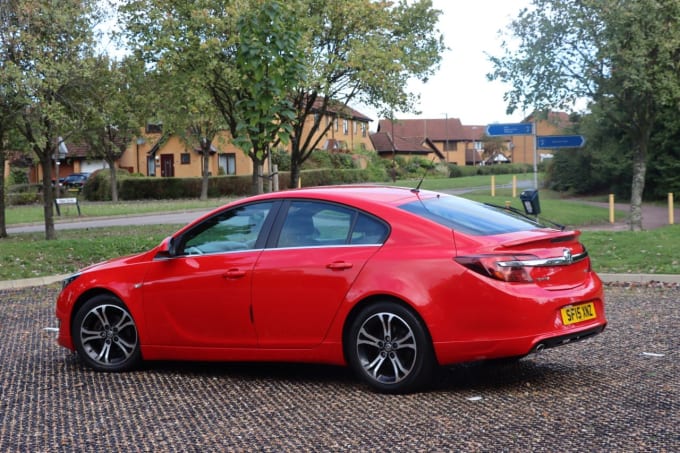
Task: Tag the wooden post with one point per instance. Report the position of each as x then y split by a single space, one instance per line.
493 185
611 208
671 213
514 186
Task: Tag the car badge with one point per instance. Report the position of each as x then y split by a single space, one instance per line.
566 254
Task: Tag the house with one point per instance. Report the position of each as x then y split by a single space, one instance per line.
389 146
348 132
454 142
157 154
73 158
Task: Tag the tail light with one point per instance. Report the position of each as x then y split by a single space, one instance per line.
519 268
507 268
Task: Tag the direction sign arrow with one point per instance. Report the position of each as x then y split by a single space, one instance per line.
560 141
509 129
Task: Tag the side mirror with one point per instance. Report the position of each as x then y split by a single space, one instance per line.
166 249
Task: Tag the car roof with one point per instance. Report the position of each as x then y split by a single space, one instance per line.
355 194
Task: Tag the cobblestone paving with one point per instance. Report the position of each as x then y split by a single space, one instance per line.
619 391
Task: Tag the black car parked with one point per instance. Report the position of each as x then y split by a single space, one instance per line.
75 181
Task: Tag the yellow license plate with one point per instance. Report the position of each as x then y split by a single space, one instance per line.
577 313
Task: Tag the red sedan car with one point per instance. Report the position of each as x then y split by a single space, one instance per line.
392 281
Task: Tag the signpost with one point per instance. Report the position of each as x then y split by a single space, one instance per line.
560 141
510 129
545 141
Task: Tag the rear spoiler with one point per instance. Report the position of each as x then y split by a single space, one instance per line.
562 236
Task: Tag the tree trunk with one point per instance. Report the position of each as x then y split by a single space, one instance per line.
3 220
638 186
205 161
294 176
48 194
114 182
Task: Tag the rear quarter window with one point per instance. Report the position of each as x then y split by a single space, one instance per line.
468 216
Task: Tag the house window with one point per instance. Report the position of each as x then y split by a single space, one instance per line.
150 166
185 158
479 145
363 129
336 124
227 164
345 126
154 128
354 126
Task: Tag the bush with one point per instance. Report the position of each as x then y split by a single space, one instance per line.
23 194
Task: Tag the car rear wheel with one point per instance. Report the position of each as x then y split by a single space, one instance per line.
388 347
105 335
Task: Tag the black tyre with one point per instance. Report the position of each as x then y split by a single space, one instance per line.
389 348
105 335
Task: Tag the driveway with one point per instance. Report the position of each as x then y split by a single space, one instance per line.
618 391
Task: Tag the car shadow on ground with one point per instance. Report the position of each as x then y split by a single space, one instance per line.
492 375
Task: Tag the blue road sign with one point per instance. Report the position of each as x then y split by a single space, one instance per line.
510 129
560 141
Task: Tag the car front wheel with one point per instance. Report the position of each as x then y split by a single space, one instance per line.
388 347
105 335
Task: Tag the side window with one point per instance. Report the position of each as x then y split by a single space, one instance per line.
311 223
368 230
235 229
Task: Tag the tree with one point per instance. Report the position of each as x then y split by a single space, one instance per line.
268 61
110 109
359 50
622 56
190 113
493 146
48 43
246 51
11 99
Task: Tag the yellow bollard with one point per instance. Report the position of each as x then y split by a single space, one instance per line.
611 208
493 185
514 186
671 213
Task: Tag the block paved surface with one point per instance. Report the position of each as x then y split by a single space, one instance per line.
618 391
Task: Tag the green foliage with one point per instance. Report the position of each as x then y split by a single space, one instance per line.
360 50
43 45
23 194
622 56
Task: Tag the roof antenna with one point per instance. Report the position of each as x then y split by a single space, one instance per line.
417 189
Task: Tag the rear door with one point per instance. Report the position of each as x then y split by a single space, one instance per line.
301 280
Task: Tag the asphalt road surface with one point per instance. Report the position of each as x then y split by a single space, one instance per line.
618 391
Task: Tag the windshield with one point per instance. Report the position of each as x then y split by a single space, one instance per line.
469 216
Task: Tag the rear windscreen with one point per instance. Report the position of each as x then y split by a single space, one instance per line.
469 216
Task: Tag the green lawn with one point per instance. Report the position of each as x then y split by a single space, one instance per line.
30 255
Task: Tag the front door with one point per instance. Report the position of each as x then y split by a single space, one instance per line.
167 165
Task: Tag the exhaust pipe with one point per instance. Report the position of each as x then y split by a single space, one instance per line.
539 348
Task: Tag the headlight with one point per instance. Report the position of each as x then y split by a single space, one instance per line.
67 281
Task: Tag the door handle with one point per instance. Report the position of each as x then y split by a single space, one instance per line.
339 265
234 273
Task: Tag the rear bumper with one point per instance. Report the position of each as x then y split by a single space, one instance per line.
566 339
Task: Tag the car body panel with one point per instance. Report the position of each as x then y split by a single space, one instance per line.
294 303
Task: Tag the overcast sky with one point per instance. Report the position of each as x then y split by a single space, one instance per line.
460 88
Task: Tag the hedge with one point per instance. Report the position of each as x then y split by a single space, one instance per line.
97 188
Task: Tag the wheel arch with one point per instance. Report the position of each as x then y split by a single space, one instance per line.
373 299
89 294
